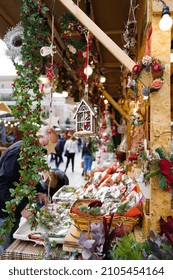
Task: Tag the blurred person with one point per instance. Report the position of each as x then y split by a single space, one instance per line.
72 148
79 144
59 150
87 157
10 173
53 180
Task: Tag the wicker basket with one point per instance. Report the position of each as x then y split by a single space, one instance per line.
83 222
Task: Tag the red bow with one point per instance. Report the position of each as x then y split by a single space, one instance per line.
49 73
166 168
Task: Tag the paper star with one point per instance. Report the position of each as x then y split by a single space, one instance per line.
53 121
50 148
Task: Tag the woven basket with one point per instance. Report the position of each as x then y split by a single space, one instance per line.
83 222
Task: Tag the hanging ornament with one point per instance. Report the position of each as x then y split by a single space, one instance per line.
44 51
13 41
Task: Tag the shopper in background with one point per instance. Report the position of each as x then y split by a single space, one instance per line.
72 148
79 144
59 148
87 157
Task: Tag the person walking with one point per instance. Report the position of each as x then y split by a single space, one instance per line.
87 157
70 149
59 148
79 143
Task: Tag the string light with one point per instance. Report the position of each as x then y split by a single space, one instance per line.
88 70
102 79
166 21
43 79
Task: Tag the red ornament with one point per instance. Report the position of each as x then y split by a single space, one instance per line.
49 73
166 168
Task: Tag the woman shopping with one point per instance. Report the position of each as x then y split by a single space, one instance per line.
87 157
70 149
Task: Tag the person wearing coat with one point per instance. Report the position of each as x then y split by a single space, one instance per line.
10 173
72 148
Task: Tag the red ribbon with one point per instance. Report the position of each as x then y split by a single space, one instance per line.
87 56
42 88
147 52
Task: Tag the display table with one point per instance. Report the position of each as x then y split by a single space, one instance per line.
26 250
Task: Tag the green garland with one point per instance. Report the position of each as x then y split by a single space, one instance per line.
70 24
32 160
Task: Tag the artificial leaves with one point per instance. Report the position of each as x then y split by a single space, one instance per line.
163 167
29 112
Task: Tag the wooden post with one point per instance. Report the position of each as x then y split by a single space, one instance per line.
160 121
115 105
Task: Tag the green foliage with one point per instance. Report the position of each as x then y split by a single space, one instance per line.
128 249
163 184
92 211
28 110
111 147
161 153
94 144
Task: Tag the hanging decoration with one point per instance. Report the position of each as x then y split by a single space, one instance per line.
13 40
29 112
87 70
70 24
150 65
129 36
74 37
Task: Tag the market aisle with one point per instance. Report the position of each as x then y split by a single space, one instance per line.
75 178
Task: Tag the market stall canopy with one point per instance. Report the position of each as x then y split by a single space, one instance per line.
110 16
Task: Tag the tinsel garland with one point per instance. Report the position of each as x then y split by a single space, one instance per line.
13 40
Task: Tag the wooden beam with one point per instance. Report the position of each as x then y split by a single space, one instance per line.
104 39
115 105
157 6
7 18
111 64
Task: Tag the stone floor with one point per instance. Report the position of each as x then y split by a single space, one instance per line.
75 178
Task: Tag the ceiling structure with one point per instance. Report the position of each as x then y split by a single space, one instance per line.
110 16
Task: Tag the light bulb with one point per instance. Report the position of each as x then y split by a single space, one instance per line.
171 57
44 80
102 79
88 70
65 93
165 22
